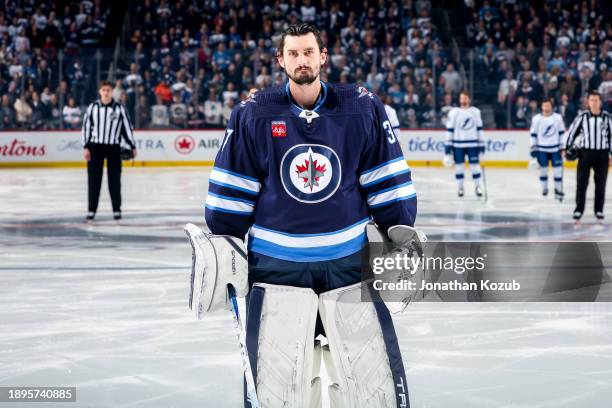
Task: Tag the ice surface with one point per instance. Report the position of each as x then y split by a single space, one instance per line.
104 307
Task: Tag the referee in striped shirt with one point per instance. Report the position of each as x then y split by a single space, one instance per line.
105 123
591 134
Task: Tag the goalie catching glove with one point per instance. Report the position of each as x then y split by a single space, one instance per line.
217 262
407 242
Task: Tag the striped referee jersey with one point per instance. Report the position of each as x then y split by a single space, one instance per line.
594 129
105 124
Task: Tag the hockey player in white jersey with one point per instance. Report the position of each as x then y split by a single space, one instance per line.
464 138
303 169
547 131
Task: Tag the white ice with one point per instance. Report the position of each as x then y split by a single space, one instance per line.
104 307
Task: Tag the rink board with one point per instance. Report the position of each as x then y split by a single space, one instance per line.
505 148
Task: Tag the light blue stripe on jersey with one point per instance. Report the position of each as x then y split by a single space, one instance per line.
309 247
313 254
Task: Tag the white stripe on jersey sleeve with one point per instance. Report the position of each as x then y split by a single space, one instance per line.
234 180
230 204
396 193
387 170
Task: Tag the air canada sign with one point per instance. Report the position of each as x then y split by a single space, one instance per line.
21 148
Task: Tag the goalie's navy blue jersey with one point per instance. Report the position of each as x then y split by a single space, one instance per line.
304 183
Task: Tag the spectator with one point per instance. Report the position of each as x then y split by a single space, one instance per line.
213 109
178 112
38 112
567 110
160 116
23 111
264 79
7 114
452 79
117 90
228 106
163 91
446 108
143 115
72 115
521 113
230 94
52 113
605 89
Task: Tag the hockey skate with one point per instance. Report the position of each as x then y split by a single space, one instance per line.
478 191
559 195
600 217
461 192
544 192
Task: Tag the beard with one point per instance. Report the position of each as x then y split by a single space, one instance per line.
303 76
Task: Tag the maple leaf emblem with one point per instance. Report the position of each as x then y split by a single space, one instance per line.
310 172
184 144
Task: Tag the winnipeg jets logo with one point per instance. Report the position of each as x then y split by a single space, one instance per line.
310 173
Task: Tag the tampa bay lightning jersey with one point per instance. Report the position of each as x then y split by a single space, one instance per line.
304 183
547 132
464 128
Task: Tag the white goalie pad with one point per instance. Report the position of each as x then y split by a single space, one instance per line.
285 346
217 261
358 361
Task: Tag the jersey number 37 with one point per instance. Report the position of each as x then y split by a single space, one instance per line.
389 129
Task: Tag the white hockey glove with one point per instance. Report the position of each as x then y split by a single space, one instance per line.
533 164
448 161
217 261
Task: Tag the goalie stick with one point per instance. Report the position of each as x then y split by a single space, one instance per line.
244 354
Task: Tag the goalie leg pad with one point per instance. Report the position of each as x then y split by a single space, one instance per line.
280 339
217 261
366 363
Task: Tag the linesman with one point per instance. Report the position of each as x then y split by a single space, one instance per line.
106 122
589 135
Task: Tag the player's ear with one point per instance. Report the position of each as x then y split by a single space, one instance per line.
280 59
323 56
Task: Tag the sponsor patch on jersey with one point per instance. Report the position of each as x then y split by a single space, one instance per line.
279 128
310 173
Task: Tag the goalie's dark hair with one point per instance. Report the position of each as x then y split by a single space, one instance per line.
297 30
